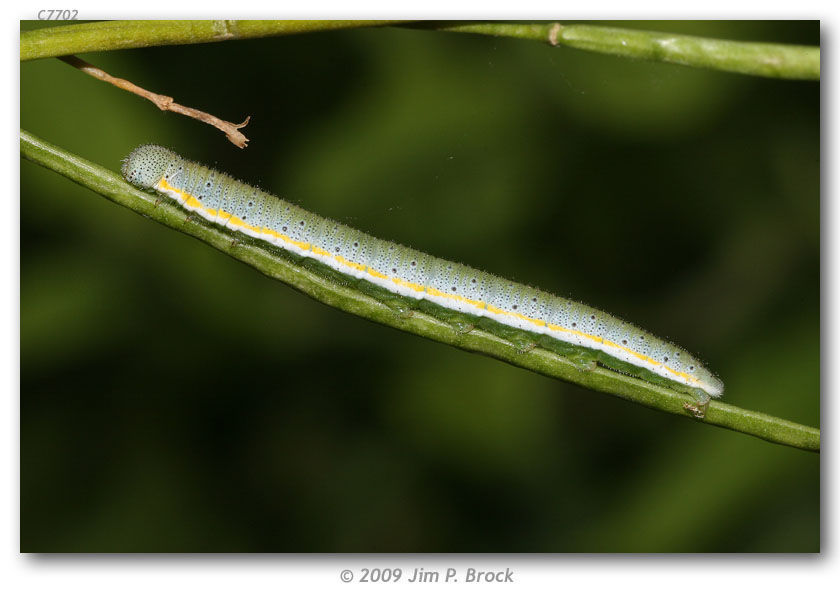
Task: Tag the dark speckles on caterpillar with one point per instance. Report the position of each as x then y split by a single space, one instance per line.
403 271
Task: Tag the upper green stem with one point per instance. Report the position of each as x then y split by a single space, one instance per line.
120 35
279 265
784 61
767 60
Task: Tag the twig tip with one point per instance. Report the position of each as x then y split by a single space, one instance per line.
553 34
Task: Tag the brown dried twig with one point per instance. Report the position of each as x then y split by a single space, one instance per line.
231 130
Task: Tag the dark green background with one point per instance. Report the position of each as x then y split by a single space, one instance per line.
173 399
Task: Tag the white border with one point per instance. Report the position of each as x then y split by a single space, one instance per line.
571 576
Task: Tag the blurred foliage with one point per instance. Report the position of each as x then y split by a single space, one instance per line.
175 400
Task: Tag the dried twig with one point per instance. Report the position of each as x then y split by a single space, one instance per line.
231 130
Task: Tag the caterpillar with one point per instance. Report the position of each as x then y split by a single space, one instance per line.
402 277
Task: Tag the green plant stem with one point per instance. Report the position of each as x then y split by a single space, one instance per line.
279 266
783 61
120 35
767 60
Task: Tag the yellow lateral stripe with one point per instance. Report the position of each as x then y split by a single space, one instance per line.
194 203
349 263
436 292
240 223
410 285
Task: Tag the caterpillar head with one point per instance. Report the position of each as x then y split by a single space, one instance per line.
146 165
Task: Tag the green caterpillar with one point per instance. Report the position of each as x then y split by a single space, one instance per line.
434 285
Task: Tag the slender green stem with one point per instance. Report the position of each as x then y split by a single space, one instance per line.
784 61
280 266
119 35
767 60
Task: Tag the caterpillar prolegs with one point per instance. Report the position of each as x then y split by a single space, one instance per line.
485 301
